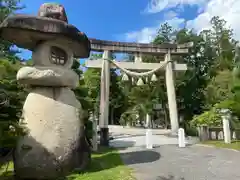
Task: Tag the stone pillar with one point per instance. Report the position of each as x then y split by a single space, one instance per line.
148 121
171 94
95 134
138 58
181 138
104 104
149 143
226 127
203 133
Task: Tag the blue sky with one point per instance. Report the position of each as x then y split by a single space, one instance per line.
137 20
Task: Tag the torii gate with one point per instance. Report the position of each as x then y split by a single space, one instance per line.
138 49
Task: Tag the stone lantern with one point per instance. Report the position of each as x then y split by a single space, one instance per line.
55 143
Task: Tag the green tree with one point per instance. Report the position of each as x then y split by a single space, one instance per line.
191 85
92 84
7 49
165 34
222 42
10 112
116 98
219 88
81 91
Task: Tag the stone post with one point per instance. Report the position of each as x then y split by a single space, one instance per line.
94 130
203 133
149 144
171 94
104 103
148 121
138 58
226 116
181 138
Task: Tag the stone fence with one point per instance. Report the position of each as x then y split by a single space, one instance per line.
216 133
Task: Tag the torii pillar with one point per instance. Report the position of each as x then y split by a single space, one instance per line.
104 99
171 94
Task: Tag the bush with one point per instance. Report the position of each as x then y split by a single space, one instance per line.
128 117
191 130
10 112
234 107
208 118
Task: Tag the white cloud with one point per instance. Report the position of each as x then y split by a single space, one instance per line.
226 9
147 34
170 14
155 6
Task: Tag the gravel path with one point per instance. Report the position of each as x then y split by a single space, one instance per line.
168 162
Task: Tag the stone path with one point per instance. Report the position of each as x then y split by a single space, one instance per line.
168 162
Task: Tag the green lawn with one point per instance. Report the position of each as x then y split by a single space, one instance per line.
234 145
106 165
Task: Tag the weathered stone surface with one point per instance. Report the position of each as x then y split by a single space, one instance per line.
43 55
101 45
48 76
27 31
55 143
53 10
132 44
47 72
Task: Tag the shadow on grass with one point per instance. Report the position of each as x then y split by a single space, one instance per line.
104 158
108 158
